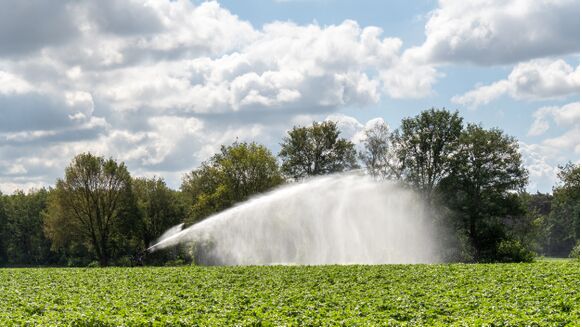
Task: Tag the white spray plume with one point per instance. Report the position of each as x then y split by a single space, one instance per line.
168 234
335 219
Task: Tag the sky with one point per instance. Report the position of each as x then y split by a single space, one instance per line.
160 85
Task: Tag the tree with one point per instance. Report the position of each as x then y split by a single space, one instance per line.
376 155
425 147
24 237
230 176
159 208
486 176
88 202
564 220
533 225
316 150
3 229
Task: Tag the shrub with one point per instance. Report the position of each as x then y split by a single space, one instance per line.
124 261
513 251
77 262
177 262
93 264
575 253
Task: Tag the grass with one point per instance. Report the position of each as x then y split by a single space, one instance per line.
543 293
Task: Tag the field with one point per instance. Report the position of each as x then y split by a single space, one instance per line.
543 293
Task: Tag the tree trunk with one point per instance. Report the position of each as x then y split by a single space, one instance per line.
103 261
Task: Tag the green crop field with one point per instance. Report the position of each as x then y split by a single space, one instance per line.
538 294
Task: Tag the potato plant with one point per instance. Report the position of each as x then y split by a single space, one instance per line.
537 294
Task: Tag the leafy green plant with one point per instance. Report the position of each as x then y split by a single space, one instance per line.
514 251
575 253
544 293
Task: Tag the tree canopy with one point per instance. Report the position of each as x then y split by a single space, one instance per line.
88 202
377 155
485 177
563 225
158 208
316 150
425 146
230 176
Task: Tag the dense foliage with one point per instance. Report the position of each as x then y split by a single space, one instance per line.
485 174
88 203
21 229
539 294
425 148
563 223
230 176
316 150
157 208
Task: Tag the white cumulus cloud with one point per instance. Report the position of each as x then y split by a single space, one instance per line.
542 158
488 32
537 79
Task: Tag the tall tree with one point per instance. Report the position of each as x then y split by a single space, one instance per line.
377 155
159 208
316 150
487 175
425 146
564 219
88 203
230 176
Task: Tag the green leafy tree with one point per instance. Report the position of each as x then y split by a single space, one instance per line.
88 203
316 150
425 147
3 229
159 208
230 176
377 155
24 237
486 176
532 228
563 223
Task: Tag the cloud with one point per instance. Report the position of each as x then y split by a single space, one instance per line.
11 84
489 32
538 79
202 59
352 129
409 80
162 84
28 26
563 116
542 159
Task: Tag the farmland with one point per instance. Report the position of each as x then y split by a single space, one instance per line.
544 293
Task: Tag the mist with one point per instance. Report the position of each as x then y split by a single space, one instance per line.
335 219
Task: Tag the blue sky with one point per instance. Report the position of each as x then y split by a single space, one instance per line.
162 84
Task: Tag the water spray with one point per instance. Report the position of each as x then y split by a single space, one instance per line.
335 219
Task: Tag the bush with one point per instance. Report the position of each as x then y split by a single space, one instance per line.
77 262
177 262
93 264
513 251
575 253
124 261
457 247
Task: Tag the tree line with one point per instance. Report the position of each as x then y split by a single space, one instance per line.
472 177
